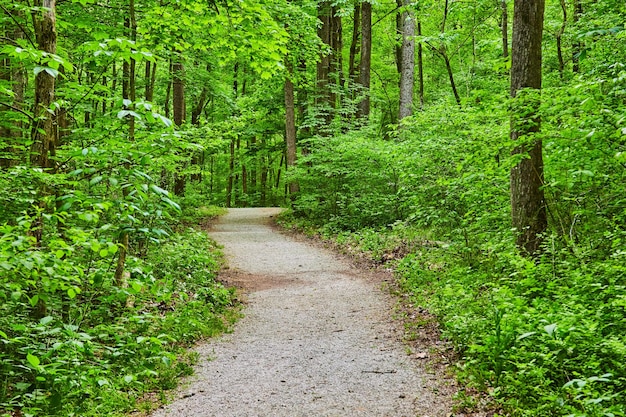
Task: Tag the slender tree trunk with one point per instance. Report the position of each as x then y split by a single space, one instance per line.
446 59
399 37
559 37
168 92
199 107
128 93
354 45
408 63
44 132
420 66
528 207
366 58
577 46
178 101
505 29
290 127
336 62
231 174
13 73
150 79
323 98
178 92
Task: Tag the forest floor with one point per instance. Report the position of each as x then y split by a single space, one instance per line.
320 336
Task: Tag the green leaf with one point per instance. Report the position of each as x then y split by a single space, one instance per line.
550 329
46 320
136 286
159 190
33 360
71 293
34 300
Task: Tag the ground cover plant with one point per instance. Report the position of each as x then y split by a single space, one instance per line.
99 348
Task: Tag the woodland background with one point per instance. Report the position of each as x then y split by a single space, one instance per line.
387 127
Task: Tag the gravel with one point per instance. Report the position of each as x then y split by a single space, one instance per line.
317 338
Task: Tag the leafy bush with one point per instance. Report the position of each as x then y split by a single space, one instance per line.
100 354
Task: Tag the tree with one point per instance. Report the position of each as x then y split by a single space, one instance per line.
366 57
528 207
290 127
407 67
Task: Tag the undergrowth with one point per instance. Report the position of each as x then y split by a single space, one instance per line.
104 352
543 337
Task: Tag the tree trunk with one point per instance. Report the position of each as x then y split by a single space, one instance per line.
168 92
366 58
178 101
150 79
336 58
446 59
13 73
420 66
354 45
505 29
559 37
399 37
178 92
128 93
231 174
290 128
323 99
527 197
408 63
577 45
44 132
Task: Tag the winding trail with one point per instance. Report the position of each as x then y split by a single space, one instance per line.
317 338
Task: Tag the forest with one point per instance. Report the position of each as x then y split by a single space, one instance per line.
478 147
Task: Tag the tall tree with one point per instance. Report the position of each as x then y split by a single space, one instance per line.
290 126
504 26
366 57
44 133
528 207
408 61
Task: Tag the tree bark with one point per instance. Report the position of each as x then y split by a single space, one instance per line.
290 128
528 207
354 45
44 132
420 66
13 73
408 63
324 99
559 37
366 58
577 46
446 59
505 29
178 92
399 37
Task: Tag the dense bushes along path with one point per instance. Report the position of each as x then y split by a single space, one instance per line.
317 338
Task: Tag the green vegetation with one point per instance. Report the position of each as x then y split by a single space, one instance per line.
388 127
99 348
540 337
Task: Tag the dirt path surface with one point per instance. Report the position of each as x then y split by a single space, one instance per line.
316 339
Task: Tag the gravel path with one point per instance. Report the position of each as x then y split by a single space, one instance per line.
316 340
